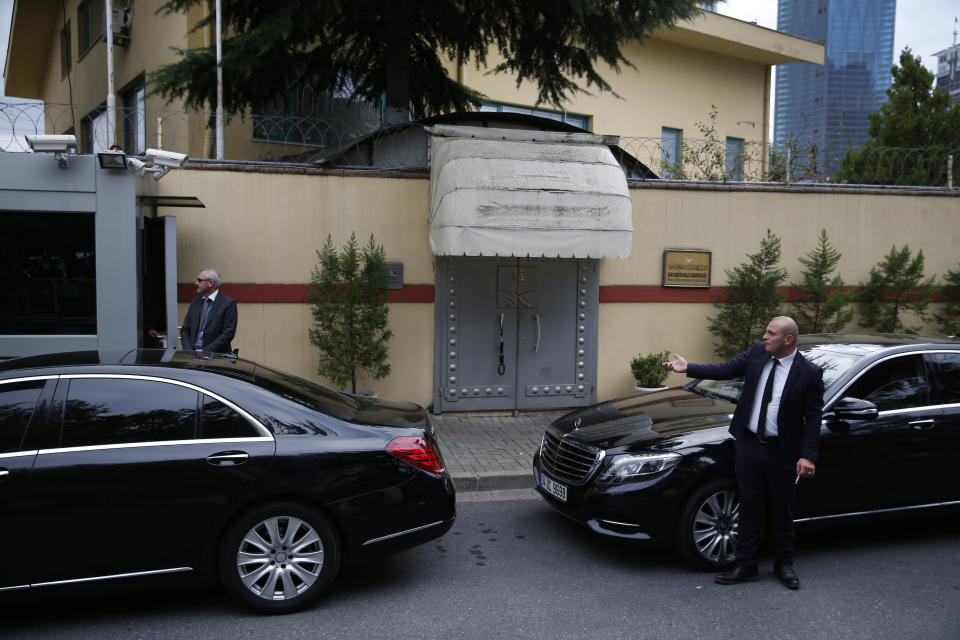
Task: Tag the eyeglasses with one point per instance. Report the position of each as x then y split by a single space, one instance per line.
199 280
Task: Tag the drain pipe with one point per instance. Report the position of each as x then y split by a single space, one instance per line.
219 84
111 96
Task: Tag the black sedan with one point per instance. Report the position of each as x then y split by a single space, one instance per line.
659 467
171 463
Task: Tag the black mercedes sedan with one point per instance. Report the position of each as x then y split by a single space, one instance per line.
171 463
659 467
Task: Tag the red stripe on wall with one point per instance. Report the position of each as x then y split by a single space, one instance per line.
248 292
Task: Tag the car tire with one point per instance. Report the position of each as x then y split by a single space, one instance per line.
707 529
279 557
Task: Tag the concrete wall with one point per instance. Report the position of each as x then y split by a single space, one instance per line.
262 231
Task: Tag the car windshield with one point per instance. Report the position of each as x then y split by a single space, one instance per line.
830 357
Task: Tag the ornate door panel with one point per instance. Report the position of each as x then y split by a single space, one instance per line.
515 333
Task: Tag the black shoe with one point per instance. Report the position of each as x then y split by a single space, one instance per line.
738 574
787 574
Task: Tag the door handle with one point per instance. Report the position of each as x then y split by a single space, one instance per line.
536 349
4 473
227 458
921 424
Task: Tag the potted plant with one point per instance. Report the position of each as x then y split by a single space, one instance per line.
649 372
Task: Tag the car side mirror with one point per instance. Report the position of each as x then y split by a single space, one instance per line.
849 408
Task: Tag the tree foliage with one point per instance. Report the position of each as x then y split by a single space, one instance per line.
896 286
350 315
823 305
948 317
916 116
403 48
752 300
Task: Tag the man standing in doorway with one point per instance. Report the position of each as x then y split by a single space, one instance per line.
776 428
211 320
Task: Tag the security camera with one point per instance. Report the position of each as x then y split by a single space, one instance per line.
51 143
170 159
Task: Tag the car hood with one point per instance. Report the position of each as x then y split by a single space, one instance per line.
672 416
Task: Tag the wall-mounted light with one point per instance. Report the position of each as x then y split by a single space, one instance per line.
59 145
112 159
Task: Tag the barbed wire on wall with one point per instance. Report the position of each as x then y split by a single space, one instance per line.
354 138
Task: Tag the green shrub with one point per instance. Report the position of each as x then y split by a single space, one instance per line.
648 370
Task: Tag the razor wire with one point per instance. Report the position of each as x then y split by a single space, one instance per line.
354 138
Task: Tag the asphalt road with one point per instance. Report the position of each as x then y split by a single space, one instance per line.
516 569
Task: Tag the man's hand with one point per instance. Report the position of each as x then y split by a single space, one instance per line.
805 468
677 365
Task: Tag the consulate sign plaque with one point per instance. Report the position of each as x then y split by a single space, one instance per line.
686 268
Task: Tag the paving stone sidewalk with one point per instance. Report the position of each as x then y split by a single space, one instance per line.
486 452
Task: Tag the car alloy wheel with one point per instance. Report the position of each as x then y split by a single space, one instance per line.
279 558
708 528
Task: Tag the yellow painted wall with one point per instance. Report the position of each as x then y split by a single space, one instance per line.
678 75
151 37
266 227
671 86
731 224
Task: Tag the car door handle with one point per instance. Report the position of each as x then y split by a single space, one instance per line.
227 458
4 473
921 424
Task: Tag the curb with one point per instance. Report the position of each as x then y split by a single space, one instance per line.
492 480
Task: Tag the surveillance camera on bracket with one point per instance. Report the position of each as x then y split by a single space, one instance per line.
170 159
59 145
157 162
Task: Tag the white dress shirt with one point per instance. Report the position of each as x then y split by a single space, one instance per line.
773 408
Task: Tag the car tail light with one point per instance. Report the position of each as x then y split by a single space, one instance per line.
419 452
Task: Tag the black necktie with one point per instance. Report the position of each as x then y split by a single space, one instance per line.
764 401
207 303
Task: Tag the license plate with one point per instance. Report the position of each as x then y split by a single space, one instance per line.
555 489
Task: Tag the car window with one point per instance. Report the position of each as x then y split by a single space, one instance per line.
17 403
947 379
220 421
104 411
896 383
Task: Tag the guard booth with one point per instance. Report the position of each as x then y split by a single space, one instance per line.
86 262
519 220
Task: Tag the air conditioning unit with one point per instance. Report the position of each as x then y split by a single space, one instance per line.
122 18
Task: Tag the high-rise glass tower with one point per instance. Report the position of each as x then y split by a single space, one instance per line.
827 105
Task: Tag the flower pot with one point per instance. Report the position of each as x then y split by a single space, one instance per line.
369 393
643 390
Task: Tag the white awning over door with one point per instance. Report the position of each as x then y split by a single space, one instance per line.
514 192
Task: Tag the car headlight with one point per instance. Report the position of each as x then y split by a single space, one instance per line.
627 466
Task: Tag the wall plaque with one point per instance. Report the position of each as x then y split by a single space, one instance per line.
686 268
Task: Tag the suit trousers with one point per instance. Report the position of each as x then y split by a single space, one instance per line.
766 484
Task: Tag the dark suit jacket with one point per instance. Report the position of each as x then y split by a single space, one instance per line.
221 324
801 405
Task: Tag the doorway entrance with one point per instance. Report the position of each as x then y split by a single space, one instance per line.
515 333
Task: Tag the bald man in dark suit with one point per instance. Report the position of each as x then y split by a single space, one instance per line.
776 428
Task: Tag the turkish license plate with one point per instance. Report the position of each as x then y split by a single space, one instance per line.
557 490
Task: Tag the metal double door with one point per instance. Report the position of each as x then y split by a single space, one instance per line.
516 333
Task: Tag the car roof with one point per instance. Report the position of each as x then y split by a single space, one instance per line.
225 364
862 344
